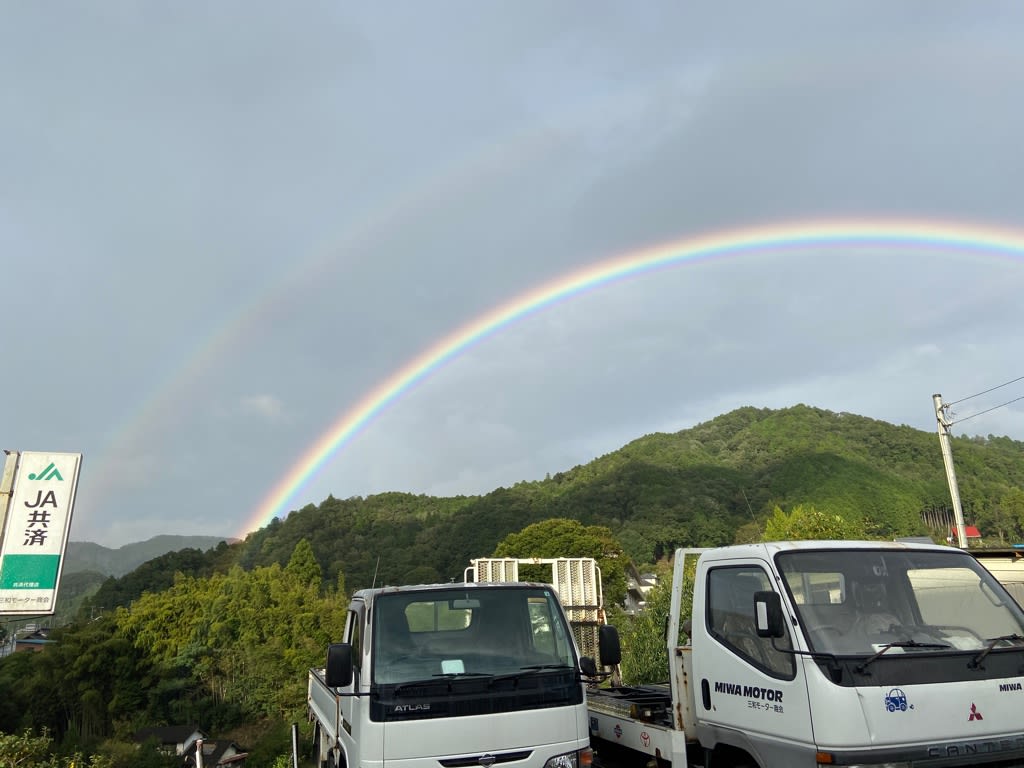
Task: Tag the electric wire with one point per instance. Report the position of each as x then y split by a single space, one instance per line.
994 407
991 389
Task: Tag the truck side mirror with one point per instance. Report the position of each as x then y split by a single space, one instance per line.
339 665
768 614
608 645
588 666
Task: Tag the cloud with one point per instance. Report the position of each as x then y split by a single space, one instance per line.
344 186
267 407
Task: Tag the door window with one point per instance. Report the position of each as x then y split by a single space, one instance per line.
351 635
730 618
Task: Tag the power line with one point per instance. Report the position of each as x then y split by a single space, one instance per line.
994 407
993 389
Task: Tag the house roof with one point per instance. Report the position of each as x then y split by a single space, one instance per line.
170 734
217 753
214 753
970 532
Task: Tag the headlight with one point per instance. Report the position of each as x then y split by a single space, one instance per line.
580 759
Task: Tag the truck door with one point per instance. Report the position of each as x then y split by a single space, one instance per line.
350 719
749 694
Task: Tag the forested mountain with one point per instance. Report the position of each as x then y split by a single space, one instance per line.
87 556
88 566
224 636
708 485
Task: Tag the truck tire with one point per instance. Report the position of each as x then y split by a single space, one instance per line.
730 757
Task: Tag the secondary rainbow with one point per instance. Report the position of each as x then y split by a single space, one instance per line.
937 235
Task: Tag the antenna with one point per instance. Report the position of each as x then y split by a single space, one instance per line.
374 584
760 529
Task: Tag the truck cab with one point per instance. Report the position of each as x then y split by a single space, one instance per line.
856 653
452 674
819 653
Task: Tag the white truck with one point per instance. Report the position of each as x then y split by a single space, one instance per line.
453 676
1007 565
829 653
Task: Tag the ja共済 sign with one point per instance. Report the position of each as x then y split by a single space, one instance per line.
35 531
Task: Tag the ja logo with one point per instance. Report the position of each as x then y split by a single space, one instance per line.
50 473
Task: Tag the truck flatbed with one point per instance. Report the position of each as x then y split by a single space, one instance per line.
650 703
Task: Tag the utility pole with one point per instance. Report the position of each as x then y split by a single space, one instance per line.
6 482
947 459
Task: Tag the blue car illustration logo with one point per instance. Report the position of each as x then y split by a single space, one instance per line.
896 699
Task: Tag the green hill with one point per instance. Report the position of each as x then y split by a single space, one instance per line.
696 487
87 556
704 486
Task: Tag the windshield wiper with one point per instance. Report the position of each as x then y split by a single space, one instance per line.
443 678
529 670
537 667
992 642
863 667
401 687
452 675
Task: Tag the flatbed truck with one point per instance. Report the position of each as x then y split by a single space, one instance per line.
453 675
827 653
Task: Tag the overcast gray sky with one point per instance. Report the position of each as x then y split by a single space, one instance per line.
223 225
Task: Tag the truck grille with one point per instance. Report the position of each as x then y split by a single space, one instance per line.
504 757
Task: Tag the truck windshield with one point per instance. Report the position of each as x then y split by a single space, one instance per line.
860 601
469 633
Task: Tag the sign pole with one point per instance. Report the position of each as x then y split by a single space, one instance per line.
6 483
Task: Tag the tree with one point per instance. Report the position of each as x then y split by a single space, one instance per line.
303 565
644 644
807 522
246 638
28 751
1012 506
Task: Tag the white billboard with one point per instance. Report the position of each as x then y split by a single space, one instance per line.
35 531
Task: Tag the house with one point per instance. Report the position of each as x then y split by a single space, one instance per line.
218 753
172 739
33 641
637 586
971 534
185 740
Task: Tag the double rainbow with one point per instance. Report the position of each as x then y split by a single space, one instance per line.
893 234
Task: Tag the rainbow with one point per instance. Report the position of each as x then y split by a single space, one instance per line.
185 371
736 242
